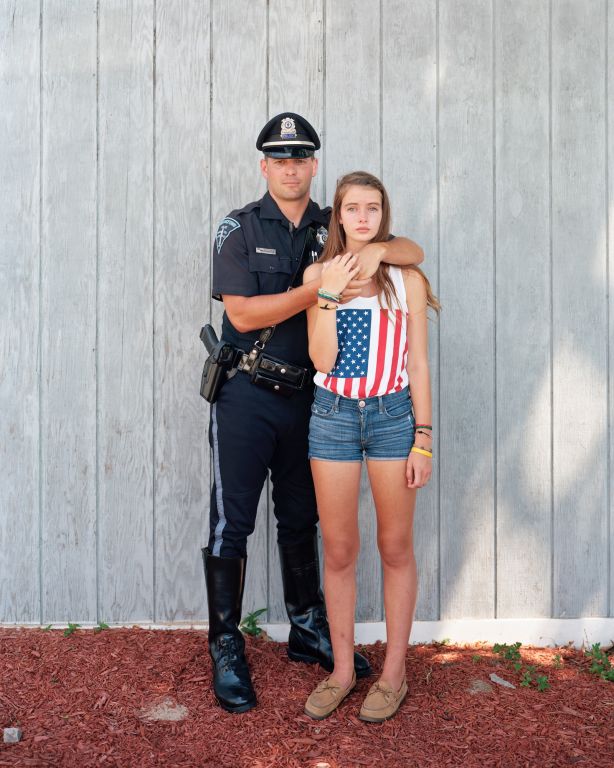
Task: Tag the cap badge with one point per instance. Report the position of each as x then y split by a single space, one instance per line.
322 236
288 128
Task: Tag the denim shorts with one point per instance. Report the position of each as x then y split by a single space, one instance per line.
346 429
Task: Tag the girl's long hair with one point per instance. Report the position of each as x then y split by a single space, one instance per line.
335 243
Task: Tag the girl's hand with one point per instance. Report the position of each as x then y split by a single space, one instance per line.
418 471
338 272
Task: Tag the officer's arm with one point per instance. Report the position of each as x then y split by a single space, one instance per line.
399 251
249 313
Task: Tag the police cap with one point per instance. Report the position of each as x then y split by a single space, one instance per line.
288 135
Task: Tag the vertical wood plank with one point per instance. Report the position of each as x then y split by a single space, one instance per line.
238 112
352 141
352 136
68 354
610 224
409 137
579 309
523 309
296 66
466 288
19 310
125 374
181 288
296 83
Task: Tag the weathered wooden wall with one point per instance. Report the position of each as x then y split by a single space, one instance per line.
127 131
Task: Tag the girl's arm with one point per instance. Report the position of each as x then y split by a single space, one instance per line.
322 323
419 467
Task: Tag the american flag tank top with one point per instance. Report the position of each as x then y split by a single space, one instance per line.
372 357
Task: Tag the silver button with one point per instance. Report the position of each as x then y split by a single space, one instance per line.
276 386
361 403
283 370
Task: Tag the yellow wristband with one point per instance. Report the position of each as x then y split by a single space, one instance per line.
421 451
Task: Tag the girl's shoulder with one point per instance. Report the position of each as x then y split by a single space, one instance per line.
413 276
415 286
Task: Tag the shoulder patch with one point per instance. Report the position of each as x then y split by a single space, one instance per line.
227 226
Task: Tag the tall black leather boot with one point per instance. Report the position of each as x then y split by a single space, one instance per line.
232 685
309 639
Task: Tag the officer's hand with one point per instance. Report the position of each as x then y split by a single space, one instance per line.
353 289
338 272
369 259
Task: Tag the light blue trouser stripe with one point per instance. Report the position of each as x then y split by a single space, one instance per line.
221 517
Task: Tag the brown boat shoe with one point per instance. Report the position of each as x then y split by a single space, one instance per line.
382 702
326 697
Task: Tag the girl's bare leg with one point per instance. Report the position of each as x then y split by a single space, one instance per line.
337 489
395 504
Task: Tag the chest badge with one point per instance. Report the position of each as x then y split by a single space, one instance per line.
322 236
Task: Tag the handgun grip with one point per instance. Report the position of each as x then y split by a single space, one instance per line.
208 337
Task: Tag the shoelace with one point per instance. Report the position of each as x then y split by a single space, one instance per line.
387 693
325 685
229 653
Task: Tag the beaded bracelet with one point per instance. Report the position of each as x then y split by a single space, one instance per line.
415 449
323 294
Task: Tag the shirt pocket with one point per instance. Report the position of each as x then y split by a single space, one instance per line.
269 264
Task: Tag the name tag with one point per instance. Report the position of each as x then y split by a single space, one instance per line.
270 251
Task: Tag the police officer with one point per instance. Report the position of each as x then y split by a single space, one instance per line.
260 420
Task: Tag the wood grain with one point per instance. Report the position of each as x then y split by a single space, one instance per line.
610 225
467 293
579 309
125 315
523 361
68 317
181 291
19 311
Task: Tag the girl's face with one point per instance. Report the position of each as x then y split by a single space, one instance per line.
360 214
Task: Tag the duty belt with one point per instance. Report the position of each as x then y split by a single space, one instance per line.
271 373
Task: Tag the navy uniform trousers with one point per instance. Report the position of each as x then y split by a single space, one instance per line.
251 431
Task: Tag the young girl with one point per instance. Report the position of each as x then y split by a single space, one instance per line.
368 354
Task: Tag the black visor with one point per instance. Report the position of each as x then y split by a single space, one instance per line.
285 152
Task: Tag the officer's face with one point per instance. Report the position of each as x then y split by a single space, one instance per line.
290 178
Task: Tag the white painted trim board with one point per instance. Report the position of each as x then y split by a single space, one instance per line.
537 632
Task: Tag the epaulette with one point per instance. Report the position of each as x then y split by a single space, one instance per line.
246 209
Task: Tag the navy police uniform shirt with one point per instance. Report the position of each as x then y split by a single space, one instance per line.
256 252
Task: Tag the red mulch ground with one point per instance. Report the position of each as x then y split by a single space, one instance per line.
78 701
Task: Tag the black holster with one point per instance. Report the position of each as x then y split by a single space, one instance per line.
215 371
